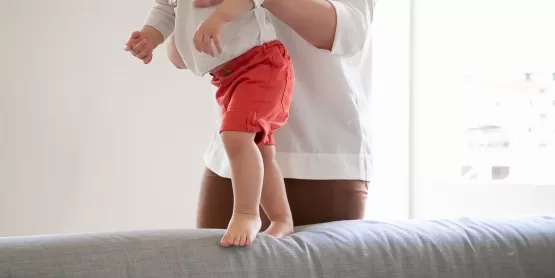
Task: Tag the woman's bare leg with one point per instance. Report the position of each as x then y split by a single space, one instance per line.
274 197
247 173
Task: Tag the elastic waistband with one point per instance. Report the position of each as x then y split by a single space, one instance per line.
248 57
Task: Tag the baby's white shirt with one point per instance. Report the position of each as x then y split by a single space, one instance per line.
252 29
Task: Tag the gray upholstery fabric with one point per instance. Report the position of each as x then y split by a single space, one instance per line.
442 249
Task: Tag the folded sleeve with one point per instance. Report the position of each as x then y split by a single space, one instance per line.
354 19
162 17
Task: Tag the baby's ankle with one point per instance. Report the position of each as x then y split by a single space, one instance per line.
246 214
284 219
280 227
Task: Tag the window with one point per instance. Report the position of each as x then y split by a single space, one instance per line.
509 126
482 117
484 76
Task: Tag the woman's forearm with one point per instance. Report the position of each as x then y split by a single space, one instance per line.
314 20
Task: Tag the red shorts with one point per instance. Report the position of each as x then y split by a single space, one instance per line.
255 91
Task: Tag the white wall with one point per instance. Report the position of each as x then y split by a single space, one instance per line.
90 139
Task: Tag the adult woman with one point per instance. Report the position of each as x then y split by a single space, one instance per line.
324 150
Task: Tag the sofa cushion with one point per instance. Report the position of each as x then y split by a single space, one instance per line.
463 248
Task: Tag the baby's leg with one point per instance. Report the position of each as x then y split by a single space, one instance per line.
246 176
274 198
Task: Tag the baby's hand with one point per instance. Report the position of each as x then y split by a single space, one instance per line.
142 44
208 32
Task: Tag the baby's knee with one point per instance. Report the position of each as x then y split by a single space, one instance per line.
236 142
268 153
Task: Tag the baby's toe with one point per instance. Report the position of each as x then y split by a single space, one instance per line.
243 240
248 240
226 240
237 240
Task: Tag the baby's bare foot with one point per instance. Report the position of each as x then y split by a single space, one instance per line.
242 230
280 228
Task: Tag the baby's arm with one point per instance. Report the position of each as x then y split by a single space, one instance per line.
158 27
161 19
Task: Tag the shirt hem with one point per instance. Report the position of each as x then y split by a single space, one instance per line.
304 166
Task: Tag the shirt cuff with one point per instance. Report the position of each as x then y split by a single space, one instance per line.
352 27
162 21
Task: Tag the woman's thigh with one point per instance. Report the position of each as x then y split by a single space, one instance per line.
311 201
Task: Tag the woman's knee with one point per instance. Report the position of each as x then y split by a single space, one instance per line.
320 201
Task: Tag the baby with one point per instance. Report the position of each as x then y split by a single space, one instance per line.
236 44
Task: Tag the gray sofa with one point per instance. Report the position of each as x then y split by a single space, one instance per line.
464 248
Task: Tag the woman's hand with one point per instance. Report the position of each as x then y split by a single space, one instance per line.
208 35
